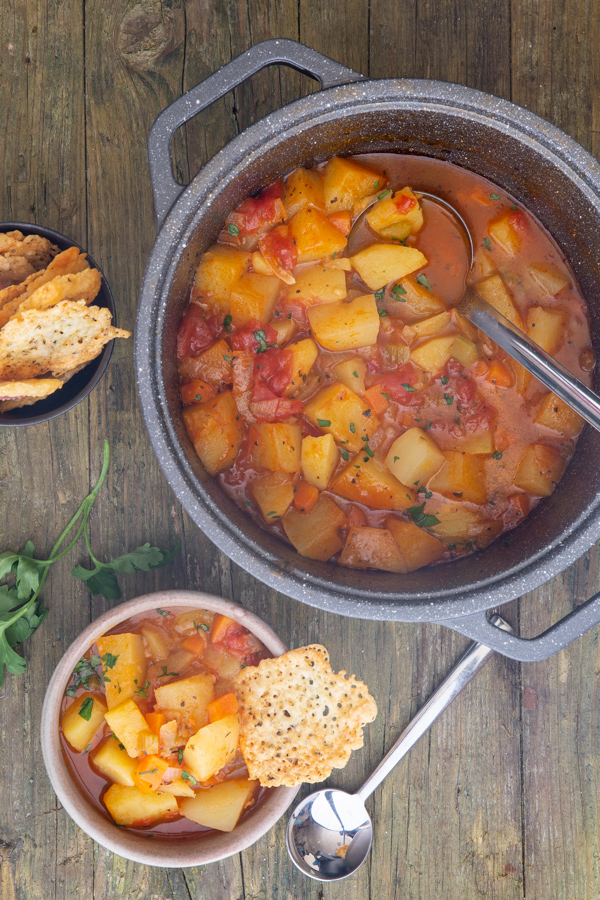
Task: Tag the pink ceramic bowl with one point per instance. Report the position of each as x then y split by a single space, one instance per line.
187 852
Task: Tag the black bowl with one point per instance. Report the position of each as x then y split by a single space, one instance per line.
80 385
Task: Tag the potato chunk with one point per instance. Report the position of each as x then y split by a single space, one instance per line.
555 414
346 325
213 365
340 412
367 480
352 372
303 187
419 548
426 327
216 430
274 493
131 807
379 264
316 285
503 232
540 470
414 457
320 459
372 548
494 291
462 476
115 763
254 297
277 446
546 327
345 181
316 535
188 696
412 301
82 719
433 354
465 351
314 235
304 355
129 725
457 525
221 805
123 666
157 640
395 208
219 269
211 747
548 279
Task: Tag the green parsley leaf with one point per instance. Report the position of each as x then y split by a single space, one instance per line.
352 427
423 280
262 340
449 398
387 396
408 388
398 292
444 379
379 295
233 230
368 451
488 243
227 323
495 197
187 777
344 454
497 455
165 674
180 755
382 312
420 518
324 423
109 660
376 185
86 709
384 194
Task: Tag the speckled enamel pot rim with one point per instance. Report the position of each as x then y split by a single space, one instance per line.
151 851
453 112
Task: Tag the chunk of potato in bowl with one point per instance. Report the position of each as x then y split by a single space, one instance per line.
140 730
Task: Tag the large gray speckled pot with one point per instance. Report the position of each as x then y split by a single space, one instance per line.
546 170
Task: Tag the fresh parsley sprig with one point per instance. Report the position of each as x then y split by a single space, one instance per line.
21 611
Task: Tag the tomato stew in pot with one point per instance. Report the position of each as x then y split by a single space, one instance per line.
341 400
151 736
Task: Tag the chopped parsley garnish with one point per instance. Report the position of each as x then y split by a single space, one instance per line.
514 207
398 292
488 243
352 427
198 398
376 185
423 490
449 398
162 612
227 323
233 230
202 625
83 671
423 520
444 379
383 394
355 374
409 388
324 423
383 194
141 691
109 660
262 340
228 358
497 455
382 312
423 280
180 755
379 295
495 197
344 454
165 674
368 451
86 709
187 777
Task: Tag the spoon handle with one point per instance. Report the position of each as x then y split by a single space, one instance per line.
531 356
474 659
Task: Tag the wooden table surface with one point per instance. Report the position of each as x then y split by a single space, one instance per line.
502 798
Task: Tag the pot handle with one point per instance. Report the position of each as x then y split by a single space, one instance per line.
557 637
328 72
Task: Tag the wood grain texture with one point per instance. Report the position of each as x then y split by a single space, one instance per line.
501 798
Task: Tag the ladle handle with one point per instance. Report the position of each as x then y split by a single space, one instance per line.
531 356
468 666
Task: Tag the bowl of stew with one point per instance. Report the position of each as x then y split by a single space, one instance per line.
118 720
515 498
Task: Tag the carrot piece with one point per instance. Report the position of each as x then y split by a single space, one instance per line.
226 705
155 721
149 773
305 496
197 391
376 400
220 627
342 221
196 644
499 374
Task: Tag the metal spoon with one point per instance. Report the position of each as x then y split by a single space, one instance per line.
517 344
329 834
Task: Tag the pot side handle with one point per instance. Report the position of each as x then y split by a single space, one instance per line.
273 52
557 637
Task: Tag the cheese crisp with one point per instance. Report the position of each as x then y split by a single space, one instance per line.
300 720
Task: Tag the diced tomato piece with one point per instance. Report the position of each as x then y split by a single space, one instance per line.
245 647
518 219
197 391
268 407
233 637
257 212
246 339
195 333
397 386
403 203
274 368
278 246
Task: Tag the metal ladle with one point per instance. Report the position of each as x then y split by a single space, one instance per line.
517 344
329 834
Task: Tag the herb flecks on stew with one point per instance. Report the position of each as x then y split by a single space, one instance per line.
341 400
